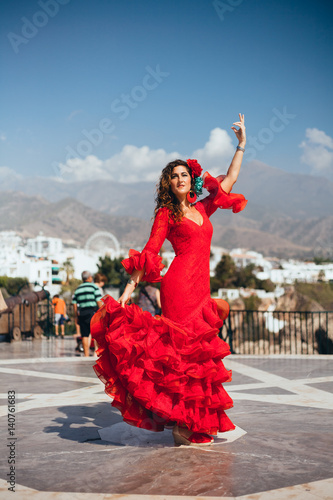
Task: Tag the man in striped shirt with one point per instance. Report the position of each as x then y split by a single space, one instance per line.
86 300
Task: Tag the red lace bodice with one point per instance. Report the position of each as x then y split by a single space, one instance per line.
185 286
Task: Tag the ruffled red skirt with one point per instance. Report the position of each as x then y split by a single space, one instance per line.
160 373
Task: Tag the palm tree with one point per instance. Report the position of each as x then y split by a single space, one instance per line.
69 269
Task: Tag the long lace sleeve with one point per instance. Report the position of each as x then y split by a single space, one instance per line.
220 199
149 259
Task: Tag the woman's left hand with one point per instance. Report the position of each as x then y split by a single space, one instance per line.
126 296
240 133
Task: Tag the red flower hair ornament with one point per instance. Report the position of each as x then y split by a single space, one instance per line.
195 168
198 182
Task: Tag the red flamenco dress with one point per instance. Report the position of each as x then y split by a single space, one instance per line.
167 369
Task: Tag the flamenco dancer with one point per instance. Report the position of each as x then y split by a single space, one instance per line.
164 371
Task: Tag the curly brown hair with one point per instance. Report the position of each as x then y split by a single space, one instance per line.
164 195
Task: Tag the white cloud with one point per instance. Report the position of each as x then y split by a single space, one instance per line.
2 137
135 164
316 136
86 169
8 174
318 152
216 154
132 164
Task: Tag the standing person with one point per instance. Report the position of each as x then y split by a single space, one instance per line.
150 299
59 307
86 300
167 370
100 280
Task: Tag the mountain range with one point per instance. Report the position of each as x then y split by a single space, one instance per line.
287 215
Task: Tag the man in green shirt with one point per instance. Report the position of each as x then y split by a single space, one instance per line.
86 300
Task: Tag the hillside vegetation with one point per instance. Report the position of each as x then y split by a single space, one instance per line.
319 292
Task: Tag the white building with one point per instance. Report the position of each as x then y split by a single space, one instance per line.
291 271
236 293
243 258
42 258
228 293
282 271
9 242
35 270
15 263
43 246
80 259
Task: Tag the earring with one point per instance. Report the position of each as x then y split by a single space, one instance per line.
191 197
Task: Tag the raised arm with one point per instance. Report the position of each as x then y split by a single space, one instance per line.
235 165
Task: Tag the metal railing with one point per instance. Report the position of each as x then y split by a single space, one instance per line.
279 332
45 317
248 332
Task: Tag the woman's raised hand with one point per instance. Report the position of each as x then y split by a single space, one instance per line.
240 132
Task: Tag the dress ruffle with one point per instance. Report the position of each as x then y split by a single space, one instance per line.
149 261
222 199
159 372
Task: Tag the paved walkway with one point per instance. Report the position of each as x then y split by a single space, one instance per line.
68 442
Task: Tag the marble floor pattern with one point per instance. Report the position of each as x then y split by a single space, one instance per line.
70 442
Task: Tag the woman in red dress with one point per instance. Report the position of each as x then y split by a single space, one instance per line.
166 370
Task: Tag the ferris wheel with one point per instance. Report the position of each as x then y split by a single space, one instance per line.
103 242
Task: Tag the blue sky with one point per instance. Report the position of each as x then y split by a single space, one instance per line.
124 86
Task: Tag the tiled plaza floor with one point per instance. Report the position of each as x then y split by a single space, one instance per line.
68 442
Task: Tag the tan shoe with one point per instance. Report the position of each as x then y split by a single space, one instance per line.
194 439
